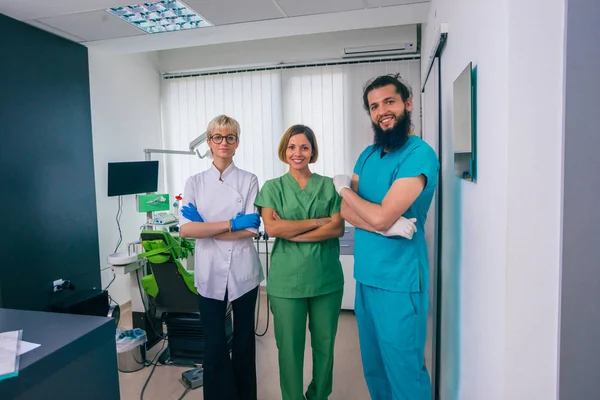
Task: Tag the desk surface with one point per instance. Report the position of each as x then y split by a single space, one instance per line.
52 331
63 338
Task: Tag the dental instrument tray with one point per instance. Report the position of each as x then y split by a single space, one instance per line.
164 219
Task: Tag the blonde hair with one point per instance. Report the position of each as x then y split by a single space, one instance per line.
223 121
297 130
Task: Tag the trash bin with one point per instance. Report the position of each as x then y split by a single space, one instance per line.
129 349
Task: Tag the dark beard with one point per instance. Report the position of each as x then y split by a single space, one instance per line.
393 138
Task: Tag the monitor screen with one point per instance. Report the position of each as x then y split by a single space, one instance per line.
132 177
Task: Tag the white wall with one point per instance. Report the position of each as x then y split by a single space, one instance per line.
499 255
474 215
125 101
535 164
304 48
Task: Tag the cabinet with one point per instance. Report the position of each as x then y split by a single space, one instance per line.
347 260
349 282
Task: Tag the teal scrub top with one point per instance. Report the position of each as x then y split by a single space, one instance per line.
299 270
395 263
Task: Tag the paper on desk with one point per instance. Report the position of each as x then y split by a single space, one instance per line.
24 347
9 353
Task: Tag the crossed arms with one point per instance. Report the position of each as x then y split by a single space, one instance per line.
356 210
307 230
380 217
216 230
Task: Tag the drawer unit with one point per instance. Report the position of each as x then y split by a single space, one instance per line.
346 247
347 241
348 234
349 282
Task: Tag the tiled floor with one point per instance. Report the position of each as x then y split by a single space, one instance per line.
348 381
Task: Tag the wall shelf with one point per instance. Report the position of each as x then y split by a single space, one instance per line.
464 103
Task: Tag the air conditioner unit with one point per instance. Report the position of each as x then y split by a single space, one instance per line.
380 50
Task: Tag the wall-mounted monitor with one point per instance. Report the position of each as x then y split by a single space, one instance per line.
132 177
464 124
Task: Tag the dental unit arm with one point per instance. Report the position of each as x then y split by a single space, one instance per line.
194 144
193 149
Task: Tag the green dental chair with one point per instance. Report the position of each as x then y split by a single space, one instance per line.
173 300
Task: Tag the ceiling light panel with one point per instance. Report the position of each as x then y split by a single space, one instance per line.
160 16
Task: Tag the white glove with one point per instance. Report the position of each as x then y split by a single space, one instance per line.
402 227
340 182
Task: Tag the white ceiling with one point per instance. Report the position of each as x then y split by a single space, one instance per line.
86 21
222 12
294 8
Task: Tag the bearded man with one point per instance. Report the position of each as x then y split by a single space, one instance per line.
387 200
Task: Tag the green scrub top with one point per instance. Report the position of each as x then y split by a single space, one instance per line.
307 269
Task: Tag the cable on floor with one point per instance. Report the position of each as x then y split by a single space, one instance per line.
153 368
184 393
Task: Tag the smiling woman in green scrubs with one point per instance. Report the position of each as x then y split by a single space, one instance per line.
301 210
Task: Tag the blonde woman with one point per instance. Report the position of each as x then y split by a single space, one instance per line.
219 213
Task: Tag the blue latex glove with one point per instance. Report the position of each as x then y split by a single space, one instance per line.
245 221
190 212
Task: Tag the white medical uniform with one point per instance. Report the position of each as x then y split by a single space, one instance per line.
222 266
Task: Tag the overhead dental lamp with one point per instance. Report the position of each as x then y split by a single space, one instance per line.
194 144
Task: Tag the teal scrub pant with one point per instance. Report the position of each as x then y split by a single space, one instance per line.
392 328
289 321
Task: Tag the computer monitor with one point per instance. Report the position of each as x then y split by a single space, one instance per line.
132 177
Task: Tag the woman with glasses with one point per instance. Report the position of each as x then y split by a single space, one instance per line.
219 213
301 210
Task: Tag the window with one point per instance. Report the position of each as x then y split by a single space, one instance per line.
266 103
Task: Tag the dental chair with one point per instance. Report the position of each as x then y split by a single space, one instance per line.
173 300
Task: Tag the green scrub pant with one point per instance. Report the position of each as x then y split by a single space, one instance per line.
289 320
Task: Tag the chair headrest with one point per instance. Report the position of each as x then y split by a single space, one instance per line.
160 247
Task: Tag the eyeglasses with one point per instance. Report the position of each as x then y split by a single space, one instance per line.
217 139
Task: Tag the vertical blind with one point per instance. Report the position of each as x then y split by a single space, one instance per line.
266 103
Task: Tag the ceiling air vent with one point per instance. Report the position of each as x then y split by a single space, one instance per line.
380 50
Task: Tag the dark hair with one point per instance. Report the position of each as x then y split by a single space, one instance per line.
390 79
298 130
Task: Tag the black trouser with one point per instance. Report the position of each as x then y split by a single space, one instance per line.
228 378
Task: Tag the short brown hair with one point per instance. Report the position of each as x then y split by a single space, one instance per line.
297 130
